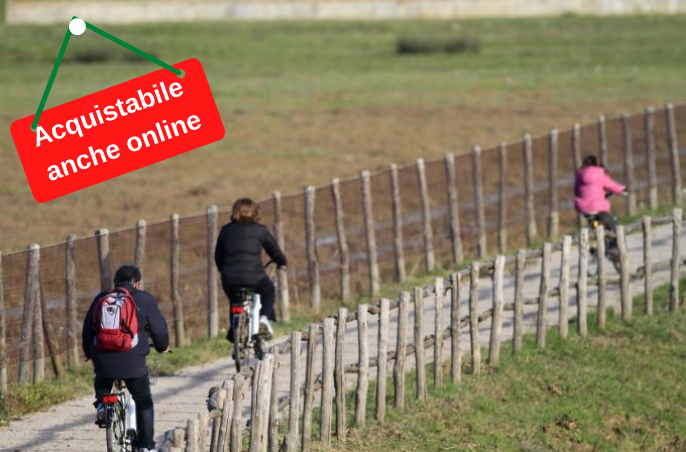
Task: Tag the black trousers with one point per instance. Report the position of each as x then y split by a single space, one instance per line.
609 223
139 388
267 293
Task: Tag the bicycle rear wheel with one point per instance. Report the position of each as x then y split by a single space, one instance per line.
116 429
245 340
237 328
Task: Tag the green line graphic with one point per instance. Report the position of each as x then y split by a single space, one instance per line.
104 34
48 87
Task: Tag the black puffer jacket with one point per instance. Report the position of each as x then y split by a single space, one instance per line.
238 253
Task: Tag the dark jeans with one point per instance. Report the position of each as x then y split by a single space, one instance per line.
267 293
139 388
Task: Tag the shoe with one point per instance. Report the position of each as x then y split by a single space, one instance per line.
613 253
265 331
100 418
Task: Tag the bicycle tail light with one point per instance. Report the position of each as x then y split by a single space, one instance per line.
109 398
237 308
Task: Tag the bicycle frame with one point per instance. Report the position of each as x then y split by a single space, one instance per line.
120 397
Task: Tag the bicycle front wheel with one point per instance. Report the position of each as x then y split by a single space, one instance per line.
116 429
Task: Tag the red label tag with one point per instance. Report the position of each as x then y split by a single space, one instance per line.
117 130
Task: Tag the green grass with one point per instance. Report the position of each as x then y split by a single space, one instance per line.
621 389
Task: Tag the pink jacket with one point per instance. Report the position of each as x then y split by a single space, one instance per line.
590 185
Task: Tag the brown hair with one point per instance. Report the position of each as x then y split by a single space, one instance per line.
590 160
245 210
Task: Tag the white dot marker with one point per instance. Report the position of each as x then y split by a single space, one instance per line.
77 26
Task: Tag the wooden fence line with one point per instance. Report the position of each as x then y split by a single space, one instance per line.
264 399
451 203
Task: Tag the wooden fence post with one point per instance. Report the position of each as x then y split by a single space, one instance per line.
648 263
381 357
237 415
274 416
212 303
309 385
203 431
73 333
628 165
427 231
420 360
369 227
518 330
497 318
38 336
564 285
674 155
176 301
602 294
676 260
544 289
456 347
221 427
576 145
479 202
192 439
139 250
294 407
582 284
474 317
529 190
453 209
400 273
576 157
625 277
48 329
328 358
650 157
502 196
342 241
602 140
31 280
311 244
339 377
3 336
553 216
262 382
103 238
438 333
281 273
363 375
401 346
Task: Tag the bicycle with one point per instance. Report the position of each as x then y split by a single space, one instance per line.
244 318
245 323
593 222
120 419
120 414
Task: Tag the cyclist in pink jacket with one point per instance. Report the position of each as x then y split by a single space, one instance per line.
592 186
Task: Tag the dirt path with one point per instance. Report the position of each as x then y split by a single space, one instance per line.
68 426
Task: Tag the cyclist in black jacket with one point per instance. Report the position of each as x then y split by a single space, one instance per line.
238 256
129 365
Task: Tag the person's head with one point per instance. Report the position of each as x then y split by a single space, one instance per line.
128 274
245 210
590 160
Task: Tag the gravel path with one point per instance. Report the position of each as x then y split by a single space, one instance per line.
69 426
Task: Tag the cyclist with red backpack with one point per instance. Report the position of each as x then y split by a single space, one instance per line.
115 337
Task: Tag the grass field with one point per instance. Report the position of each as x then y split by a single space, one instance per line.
617 390
303 102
